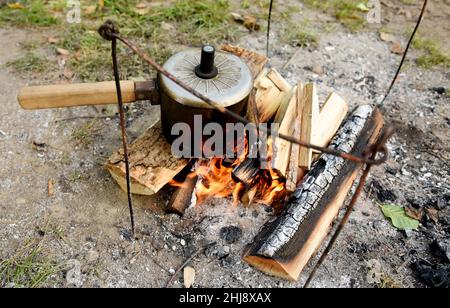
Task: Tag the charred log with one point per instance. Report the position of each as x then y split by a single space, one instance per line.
285 244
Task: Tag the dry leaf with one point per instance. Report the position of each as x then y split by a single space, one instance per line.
141 8
387 37
15 6
251 23
51 190
237 17
62 52
397 48
101 4
414 213
433 215
53 40
68 73
189 276
90 9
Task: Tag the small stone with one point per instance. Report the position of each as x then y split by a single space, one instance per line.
73 276
62 52
92 256
317 69
171 271
397 48
183 242
439 90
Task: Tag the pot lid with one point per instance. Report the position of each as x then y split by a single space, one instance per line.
221 76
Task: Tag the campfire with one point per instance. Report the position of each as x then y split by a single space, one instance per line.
306 188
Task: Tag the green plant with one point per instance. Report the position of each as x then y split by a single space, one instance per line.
29 267
33 13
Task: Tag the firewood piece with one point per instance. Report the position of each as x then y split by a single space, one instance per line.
152 164
246 171
310 117
295 173
282 148
254 60
331 117
269 96
286 243
182 198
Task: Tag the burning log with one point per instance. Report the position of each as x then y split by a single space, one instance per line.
152 164
246 171
183 197
285 244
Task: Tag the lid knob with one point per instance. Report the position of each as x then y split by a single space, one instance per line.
206 69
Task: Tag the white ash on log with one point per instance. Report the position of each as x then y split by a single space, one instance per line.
286 243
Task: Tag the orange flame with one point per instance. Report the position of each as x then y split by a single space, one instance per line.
216 181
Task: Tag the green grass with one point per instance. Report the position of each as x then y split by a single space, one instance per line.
33 13
300 35
84 134
29 267
431 53
158 31
346 12
30 63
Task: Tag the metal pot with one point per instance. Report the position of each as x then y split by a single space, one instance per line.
221 76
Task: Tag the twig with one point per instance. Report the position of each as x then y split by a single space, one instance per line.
192 257
289 62
84 117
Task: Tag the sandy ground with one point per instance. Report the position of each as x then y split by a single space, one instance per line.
85 221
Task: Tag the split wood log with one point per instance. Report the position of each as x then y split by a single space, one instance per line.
254 60
286 243
152 164
282 148
295 173
183 197
331 116
271 91
309 130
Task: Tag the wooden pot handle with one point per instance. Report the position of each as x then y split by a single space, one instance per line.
72 95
